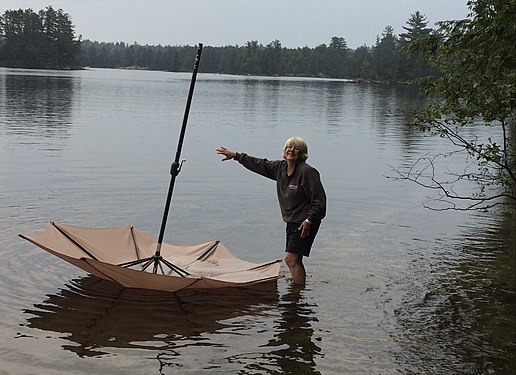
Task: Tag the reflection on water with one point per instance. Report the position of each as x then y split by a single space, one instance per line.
294 349
37 106
291 350
98 315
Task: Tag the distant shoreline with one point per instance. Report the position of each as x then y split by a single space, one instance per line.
361 81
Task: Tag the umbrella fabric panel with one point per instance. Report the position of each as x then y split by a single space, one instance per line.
250 275
111 245
51 239
212 249
216 267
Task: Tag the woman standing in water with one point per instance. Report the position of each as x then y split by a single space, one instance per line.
301 198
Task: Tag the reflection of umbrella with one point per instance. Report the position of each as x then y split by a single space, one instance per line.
135 260
113 315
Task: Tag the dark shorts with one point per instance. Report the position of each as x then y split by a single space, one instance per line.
298 245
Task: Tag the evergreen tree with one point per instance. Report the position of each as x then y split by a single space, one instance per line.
417 28
386 56
337 58
251 63
38 40
361 63
413 63
272 59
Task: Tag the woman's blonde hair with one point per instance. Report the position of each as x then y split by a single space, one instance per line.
300 144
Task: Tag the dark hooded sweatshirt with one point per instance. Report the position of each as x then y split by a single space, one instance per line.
301 196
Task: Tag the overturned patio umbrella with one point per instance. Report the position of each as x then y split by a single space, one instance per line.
134 259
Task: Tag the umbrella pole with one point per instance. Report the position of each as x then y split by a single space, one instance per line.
176 165
157 260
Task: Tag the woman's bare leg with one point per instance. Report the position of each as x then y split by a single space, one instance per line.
296 267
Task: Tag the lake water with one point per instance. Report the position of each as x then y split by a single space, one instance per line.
392 287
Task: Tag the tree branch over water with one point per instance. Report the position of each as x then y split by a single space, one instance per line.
476 87
424 173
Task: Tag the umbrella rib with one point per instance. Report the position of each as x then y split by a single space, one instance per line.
265 264
106 276
64 233
208 251
181 272
148 262
161 268
136 248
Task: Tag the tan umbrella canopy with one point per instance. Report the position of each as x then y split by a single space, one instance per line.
136 260
110 253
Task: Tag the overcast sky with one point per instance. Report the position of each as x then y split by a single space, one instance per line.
295 23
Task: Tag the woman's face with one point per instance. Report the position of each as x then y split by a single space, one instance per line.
291 152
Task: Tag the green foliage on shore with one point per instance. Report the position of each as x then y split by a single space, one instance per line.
38 40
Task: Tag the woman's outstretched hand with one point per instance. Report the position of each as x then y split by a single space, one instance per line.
227 153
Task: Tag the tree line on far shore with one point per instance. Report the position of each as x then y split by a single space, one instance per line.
47 40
